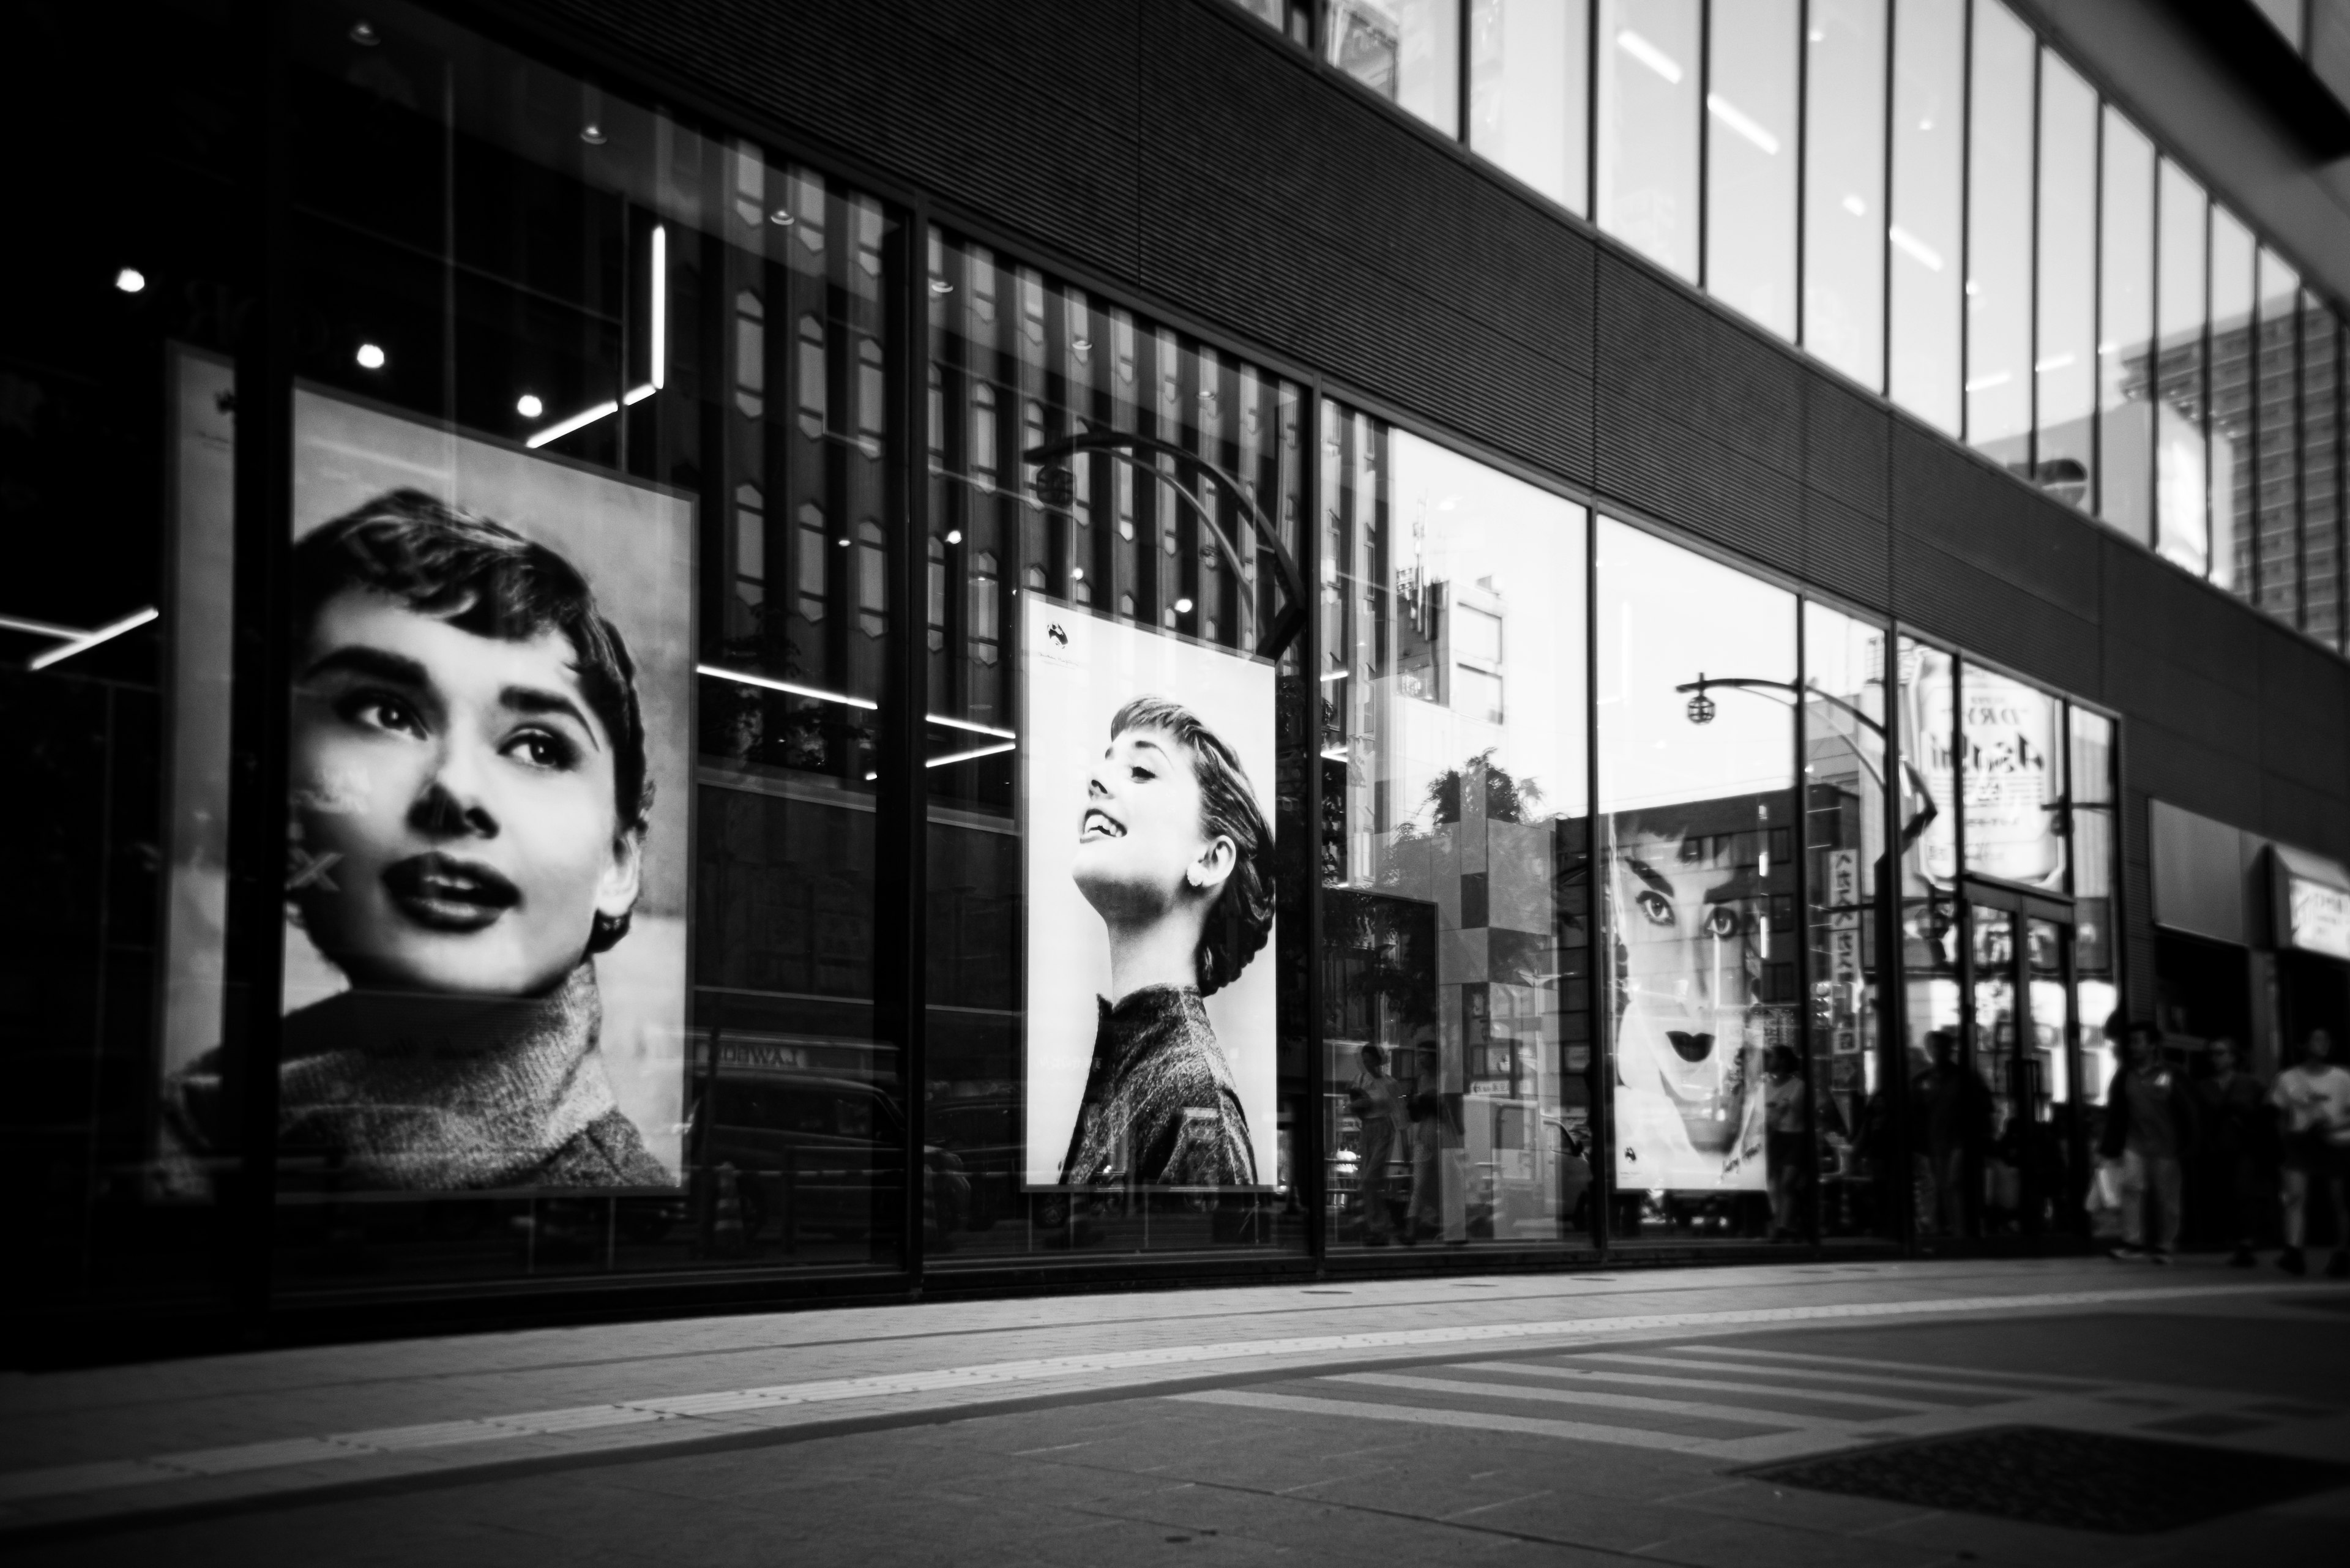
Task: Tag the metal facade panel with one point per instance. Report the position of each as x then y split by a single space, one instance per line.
1985 613
1963 507
2199 870
1848 445
1847 550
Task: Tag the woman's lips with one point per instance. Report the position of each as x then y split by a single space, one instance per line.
1097 823
449 895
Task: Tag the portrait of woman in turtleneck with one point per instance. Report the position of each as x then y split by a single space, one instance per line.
470 800
1173 853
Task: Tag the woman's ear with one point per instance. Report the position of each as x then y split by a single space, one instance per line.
624 874
1214 863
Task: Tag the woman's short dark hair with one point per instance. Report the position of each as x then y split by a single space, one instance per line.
1242 915
482 577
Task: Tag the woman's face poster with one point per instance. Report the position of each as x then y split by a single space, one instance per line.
1145 766
491 655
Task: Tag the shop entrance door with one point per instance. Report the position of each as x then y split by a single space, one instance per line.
2022 1133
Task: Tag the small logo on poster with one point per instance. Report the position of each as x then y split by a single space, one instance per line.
1055 630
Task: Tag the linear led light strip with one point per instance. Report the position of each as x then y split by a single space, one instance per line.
73 639
1004 738
659 356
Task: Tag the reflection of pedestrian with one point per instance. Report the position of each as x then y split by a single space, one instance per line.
1951 1117
1173 852
470 803
2312 1102
2151 1128
1785 1122
1431 1121
1375 1100
2231 1105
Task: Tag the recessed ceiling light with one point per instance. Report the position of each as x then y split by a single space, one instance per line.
364 34
941 285
842 542
1077 574
592 134
370 356
1082 345
954 535
1182 607
130 280
781 215
528 406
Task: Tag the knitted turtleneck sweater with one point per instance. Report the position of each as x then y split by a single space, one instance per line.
420 1092
1160 1107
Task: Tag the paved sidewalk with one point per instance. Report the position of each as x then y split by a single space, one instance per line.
121 1443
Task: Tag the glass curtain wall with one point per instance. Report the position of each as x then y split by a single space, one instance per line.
1844 187
1929 153
2321 472
2183 491
2126 352
1456 887
1752 60
1407 51
1697 762
2276 500
1529 93
2065 458
1115 724
1650 153
2001 114
2234 398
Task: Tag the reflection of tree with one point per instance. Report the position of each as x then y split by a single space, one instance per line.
1507 798
1380 949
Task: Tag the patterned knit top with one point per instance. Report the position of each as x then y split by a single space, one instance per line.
1159 1108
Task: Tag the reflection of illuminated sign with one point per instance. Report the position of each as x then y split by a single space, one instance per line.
1843 950
2009 777
2318 917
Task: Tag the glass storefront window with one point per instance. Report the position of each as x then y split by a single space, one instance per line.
590 557
1998 236
2126 364
1926 809
2277 495
1648 85
1407 51
2064 354
1456 885
2184 494
1845 758
1115 1034
2097 997
2013 764
1930 61
1697 751
2321 472
1529 86
1752 57
1844 187
2232 396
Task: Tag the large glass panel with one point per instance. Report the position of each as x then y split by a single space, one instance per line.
1926 809
1529 93
2183 488
2063 457
2321 472
1929 154
2013 763
2125 353
2041 1148
1999 237
116 371
1749 166
1843 188
1456 880
1696 774
1984 1109
2096 939
1845 753
1407 51
1648 83
1115 744
2277 530
2233 392
1295 17
559 994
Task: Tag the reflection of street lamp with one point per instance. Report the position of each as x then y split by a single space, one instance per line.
1057 488
1701 711
1700 707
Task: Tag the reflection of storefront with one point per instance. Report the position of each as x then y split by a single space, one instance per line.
2253 939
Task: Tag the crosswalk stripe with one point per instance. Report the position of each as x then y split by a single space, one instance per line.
1868 1379
2049 1381
1714 1385
1767 1421
1473 1420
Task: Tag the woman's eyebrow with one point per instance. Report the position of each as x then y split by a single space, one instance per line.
538 699
1641 869
376 662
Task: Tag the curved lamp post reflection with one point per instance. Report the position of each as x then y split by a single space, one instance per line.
1057 488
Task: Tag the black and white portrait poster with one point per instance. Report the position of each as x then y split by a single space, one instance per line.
1146 762
485 948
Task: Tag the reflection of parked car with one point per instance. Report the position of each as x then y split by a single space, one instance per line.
810 1153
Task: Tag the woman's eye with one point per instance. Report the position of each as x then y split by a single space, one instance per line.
541 750
381 710
1657 908
1722 921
